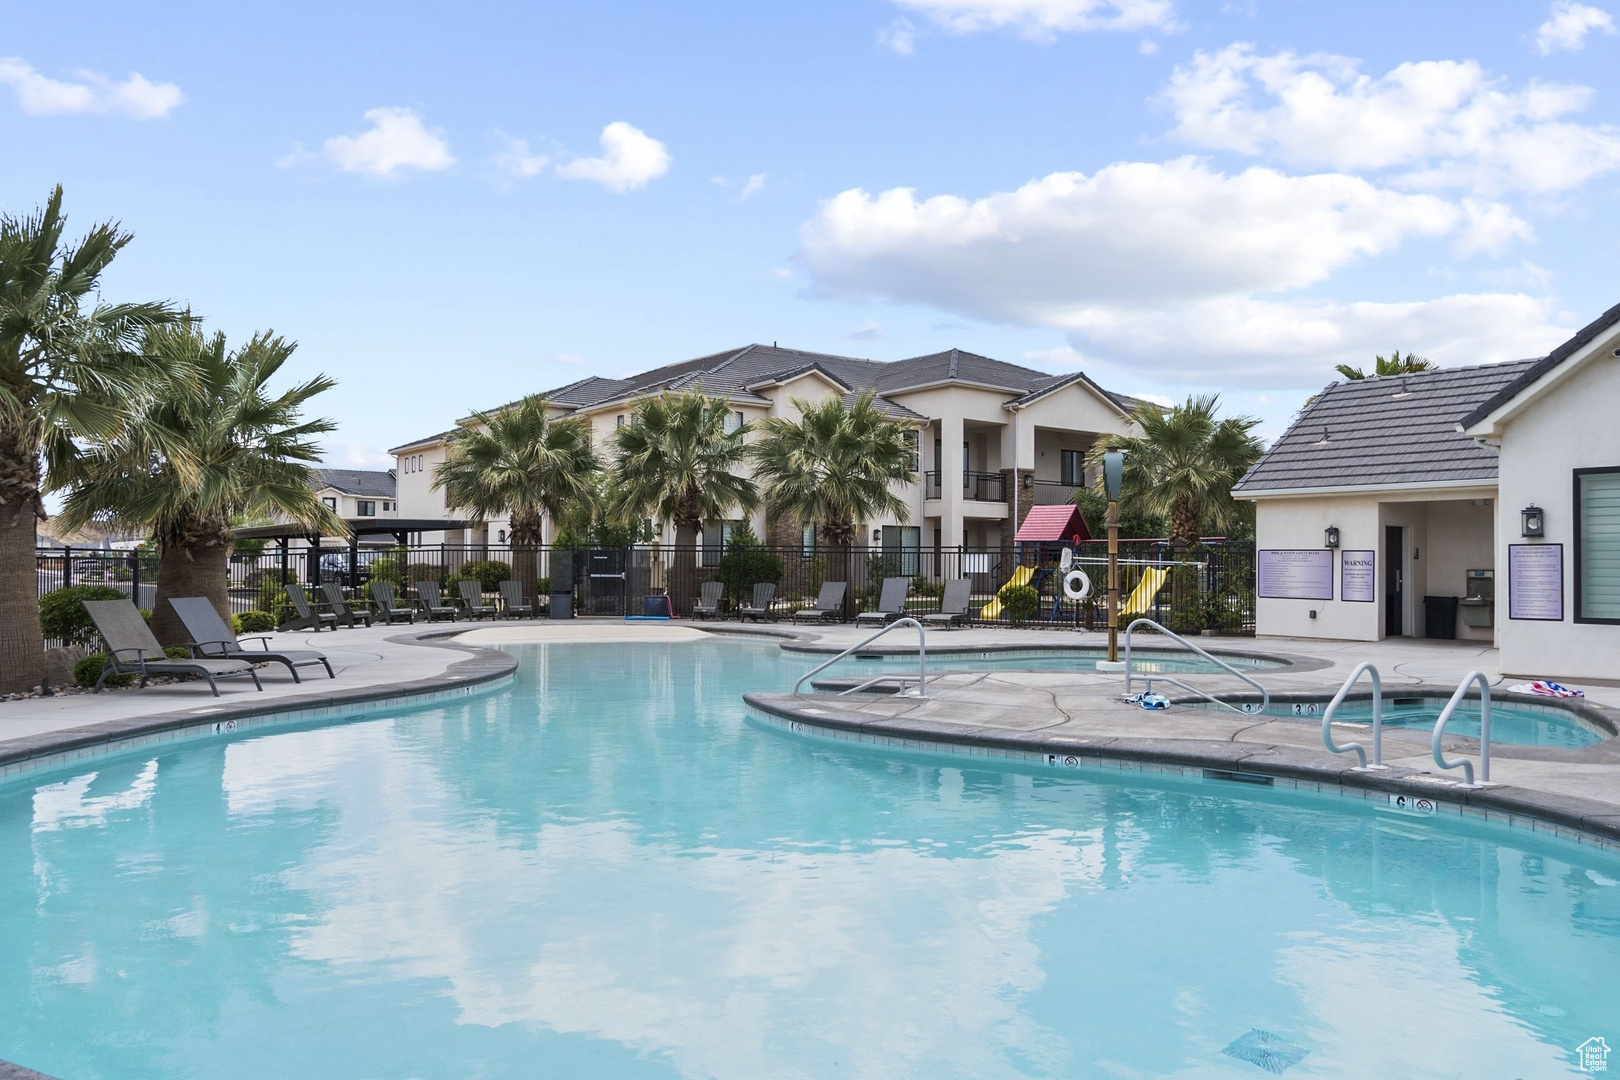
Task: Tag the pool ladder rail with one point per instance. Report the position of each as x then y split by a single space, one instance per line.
1435 741
1265 695
922 663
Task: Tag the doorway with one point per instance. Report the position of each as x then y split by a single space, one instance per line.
1394 581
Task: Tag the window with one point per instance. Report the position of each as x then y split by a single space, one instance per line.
904 543
916 449
367 508
1597 545
618 421
1072 471
387 506
807 539
330 501
716 534
734 422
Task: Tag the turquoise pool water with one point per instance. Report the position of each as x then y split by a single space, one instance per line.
1518 725
609 872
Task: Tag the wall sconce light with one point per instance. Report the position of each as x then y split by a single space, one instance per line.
1330 536
877 535
1028 482
1531 521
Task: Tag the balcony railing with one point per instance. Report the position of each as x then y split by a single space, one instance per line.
976 487
1050 492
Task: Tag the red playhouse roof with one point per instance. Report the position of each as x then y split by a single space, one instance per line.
1048 524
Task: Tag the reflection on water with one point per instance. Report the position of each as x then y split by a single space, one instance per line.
606 872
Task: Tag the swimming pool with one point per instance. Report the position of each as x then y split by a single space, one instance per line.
609 872
1144 661
1512 723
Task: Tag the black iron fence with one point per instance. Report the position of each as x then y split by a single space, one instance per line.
1208 587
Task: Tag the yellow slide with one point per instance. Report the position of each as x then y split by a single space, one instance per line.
1020 576
1141 598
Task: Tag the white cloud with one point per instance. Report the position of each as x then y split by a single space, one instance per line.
899 36
1568 24
755 185
867 331
397 139
630 158
357 456
1437 123
1131 233
1041 20
517 161
136 97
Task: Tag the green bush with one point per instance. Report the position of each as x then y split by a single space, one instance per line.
487 572
88 670
62 615
423 571
1018 602
256 622
746 562
542 586
389 567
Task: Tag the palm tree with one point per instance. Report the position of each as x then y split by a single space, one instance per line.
675 460
1396 364
1183 465
203 448
63 373
521 462
836 465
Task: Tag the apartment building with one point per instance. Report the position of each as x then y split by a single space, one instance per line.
993 438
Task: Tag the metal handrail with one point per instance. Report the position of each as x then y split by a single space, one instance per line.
922 660
1484 731
1265 695
1377 720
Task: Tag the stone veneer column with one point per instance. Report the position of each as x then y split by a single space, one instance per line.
1026 499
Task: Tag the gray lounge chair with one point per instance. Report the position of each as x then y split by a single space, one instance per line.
389 606
953 607
829 604
305 615
132 650
512 600
472 600
891 603
347 614
709 595
764 593
433 604
211 638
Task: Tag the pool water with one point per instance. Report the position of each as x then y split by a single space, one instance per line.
1518 725
608 871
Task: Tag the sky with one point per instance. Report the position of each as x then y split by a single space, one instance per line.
449 206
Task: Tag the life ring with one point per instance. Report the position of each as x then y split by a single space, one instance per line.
1076 585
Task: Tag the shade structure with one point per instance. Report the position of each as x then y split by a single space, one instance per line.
1061 523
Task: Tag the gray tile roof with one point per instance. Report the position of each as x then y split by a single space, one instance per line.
1400 429
1582 338
366 483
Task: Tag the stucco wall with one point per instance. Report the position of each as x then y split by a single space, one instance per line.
1299 523
1569 427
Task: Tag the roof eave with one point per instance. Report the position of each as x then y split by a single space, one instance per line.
1482 482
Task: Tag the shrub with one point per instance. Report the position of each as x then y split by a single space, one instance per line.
542 586
746 562
487 572
256 622
88 670
1018 602
62 615
389 567
423 571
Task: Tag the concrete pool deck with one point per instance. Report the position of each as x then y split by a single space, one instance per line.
1075 713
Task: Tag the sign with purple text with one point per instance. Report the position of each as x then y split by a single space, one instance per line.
1536 582
1295 574
1358 577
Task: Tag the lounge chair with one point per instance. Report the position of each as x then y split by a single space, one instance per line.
764 593
953 606
433 603
709 596
211 638
512 600
305 616
346 613
891 603
829 604
472 599
132 650
388 606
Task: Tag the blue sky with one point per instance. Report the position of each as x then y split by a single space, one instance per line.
450 205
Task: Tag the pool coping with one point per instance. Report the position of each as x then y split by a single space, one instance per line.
1587 819
482 667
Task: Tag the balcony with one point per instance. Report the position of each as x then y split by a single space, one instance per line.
1052 492
976 487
